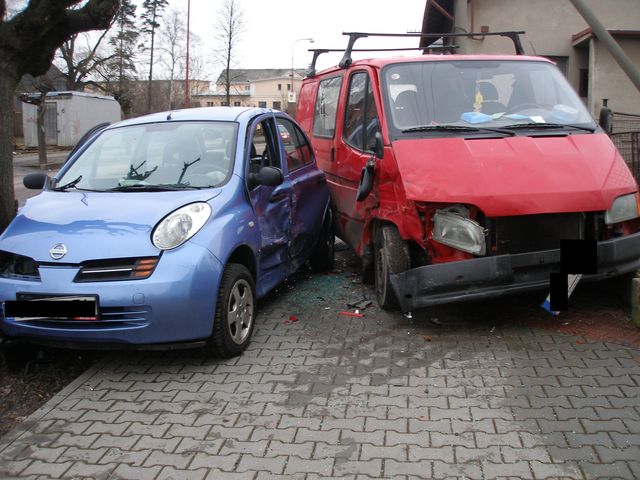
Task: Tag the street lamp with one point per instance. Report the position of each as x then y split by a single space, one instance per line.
310 40
187 99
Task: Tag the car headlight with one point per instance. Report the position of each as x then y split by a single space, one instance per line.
623 208
459 232
180 225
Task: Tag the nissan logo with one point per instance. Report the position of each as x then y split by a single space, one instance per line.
58 251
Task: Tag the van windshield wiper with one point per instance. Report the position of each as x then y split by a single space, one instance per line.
542 126
71 184
456 128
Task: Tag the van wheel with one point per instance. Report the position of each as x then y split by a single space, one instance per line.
391 256
235 312
323 255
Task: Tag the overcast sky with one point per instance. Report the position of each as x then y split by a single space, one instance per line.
273 25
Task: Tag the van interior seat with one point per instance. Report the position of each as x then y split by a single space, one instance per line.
490 103
405 109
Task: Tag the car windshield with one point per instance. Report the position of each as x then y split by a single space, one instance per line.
424 97
154 157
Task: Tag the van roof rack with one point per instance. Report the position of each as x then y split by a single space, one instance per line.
319 51
354 36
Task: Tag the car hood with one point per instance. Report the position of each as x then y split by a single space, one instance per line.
93 225
515 175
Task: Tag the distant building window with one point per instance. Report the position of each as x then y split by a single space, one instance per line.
288 87
583 85
561 62
247 88
210 104
279 86
236 104
224 104
262 104
277 105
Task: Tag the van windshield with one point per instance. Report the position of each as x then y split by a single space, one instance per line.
426 97
154 157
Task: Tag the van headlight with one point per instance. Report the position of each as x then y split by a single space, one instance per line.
180 225
623 208
459 232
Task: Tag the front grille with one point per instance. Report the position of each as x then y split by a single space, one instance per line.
109 317
530 233
116 269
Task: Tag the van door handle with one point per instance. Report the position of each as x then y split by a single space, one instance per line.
333 154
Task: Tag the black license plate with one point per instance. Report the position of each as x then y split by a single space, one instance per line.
31 306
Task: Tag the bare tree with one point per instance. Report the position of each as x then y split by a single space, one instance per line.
151 14
43 85
230 26
81 62
28 42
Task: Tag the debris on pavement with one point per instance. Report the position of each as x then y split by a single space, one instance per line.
351 314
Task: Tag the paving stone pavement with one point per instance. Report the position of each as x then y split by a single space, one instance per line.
331 396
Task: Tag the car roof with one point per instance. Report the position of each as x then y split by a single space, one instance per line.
382 62
222 114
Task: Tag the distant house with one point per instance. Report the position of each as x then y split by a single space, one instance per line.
554 30
260 87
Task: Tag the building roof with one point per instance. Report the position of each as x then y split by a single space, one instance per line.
248 75
583 36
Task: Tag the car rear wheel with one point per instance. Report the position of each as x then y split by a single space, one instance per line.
235 312
391 256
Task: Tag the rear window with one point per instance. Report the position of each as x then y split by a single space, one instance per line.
324 118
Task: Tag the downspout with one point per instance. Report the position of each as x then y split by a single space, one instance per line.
607 40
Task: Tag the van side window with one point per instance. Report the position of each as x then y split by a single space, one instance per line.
361 117
296 147
324 118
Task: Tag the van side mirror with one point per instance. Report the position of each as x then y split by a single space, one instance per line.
267 176
366 181
35 181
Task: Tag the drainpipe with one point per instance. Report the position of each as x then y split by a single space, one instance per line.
605 37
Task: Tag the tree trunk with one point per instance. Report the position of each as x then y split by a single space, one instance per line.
42 138
8 84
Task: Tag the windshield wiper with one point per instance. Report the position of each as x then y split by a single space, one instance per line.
141 187
185 167
541 126
457 128
71 184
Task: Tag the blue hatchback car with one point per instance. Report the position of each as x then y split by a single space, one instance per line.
166 229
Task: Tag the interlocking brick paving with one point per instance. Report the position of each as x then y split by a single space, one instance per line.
468 391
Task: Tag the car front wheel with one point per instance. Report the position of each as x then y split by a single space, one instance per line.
235 312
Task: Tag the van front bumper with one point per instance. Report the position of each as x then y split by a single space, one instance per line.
489 277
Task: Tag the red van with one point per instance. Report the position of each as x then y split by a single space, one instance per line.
455 177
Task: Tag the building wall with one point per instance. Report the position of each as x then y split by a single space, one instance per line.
549 26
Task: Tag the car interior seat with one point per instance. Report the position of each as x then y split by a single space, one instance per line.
405 109
490 103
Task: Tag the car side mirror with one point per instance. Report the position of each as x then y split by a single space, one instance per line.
366 181
35 181
267 176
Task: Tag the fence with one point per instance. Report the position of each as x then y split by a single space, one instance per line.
626 137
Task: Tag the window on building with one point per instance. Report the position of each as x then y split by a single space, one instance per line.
224 104
210 104
288 87
279 86
236 104
296 146
277 105
262 104
324 118
361 118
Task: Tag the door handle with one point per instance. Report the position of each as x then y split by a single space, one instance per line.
333 154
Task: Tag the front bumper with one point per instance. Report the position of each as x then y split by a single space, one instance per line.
488 277
175 304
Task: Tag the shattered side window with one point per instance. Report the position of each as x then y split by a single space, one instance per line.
324 119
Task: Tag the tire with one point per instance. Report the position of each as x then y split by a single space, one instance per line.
323 255
391 256
235 312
